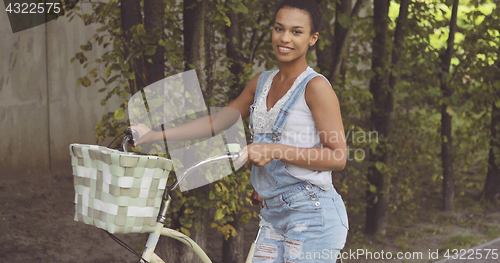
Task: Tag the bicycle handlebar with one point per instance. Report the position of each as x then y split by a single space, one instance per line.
198 165
132 135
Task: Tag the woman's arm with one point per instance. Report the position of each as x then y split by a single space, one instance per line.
325 109
207 125
243 102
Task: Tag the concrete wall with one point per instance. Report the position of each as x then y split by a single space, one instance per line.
42 110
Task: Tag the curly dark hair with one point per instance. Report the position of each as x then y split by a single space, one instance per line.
310 6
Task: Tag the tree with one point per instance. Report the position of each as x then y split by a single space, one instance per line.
479 65
246 38
333 46
198 34
154 13
446 129
382 85
409 80
180 37
491 189
130 11
377 193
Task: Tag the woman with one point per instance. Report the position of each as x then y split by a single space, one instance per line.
298 139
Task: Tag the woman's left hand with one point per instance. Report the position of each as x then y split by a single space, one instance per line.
259 154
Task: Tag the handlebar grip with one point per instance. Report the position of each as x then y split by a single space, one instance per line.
233 147
133 135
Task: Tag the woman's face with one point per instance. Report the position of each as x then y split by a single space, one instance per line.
292 34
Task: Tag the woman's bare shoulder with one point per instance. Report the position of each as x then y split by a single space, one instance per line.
319 89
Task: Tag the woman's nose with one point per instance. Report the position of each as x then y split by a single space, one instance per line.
285 37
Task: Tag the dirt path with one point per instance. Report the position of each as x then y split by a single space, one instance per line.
36 224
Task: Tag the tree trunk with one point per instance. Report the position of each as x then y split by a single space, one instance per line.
324 57
131 16
199 51
377 201
491 191
237 60
446 131
154 11
339 40
398 42
238 63
341 34
381 120
232 248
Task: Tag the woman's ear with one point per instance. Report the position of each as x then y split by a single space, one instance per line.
314 38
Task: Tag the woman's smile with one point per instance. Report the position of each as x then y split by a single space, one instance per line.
292 36
284 49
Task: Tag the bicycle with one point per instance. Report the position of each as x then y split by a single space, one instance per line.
158 229
92 153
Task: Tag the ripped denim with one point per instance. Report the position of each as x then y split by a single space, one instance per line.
300 222
305 224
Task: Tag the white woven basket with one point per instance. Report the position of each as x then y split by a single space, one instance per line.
116 191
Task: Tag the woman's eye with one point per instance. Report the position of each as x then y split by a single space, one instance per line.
277 29
297 32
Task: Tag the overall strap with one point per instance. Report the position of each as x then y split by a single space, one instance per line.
260 86
288 106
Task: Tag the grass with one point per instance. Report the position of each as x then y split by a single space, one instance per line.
461 242
429 229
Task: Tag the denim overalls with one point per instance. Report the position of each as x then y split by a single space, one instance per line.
300 222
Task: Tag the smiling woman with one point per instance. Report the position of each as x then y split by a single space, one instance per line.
294 118
291 36
293 115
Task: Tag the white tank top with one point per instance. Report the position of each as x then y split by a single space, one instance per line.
299 130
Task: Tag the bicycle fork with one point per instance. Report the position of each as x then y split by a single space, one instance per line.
252 248
155 236
161 230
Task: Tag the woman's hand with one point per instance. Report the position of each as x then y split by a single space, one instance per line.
259 154
144 133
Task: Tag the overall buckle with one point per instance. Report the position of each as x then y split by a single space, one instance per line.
276 135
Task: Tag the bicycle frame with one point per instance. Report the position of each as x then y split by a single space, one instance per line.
161 230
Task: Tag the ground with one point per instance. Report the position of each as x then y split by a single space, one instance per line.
37 209
36 223
417 235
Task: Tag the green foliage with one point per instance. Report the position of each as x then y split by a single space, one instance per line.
415 170
116 68
230 199
230 195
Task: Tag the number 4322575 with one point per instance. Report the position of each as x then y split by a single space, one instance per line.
32 8
478 253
